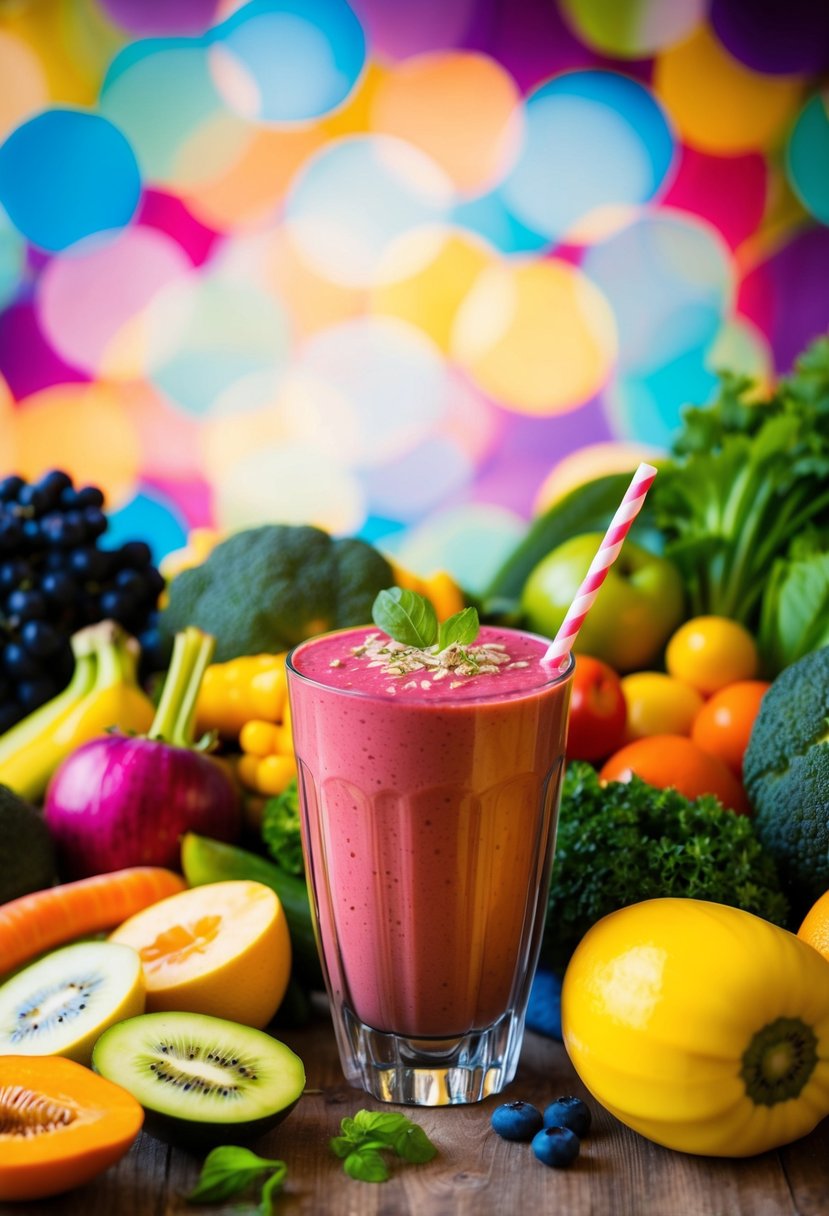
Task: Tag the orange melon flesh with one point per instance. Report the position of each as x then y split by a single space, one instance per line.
222 949
60 1125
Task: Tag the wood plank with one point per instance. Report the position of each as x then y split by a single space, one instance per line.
476 1173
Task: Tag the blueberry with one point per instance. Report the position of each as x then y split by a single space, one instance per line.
569 1112
556 1146
40 638
26 605
516 1120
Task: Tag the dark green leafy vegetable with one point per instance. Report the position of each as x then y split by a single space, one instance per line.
268 588
363 1138
407 617
786 774
281 831
795 614
229 1170
621 843
748 477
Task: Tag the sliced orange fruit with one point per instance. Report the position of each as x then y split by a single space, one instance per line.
221 949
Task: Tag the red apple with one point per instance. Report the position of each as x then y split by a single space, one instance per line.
597 711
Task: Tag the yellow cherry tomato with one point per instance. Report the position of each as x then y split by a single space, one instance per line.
259 738
658 705
709 652
275 773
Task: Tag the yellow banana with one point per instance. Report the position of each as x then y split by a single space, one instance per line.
36 724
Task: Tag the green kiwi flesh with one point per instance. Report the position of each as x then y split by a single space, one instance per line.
201 1080
60 1004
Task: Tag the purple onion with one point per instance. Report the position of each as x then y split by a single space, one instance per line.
119 801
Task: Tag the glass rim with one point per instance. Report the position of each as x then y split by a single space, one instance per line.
431 698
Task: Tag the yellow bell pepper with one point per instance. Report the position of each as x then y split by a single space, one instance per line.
702 1027
232 693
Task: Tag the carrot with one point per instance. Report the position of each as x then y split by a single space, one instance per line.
37 922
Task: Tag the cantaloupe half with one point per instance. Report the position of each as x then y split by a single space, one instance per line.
221 949
60 1125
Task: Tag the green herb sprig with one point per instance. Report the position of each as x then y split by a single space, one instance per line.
228 1170
370 1133
410 618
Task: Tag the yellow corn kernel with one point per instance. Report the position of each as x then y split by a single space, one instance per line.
274 773
258 738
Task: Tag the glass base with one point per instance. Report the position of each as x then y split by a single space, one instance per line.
429 1072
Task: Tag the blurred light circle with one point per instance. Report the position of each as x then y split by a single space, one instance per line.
294 483
418 481
313 301
668 279
807 158
168 438
554 185
86 429
226 330
367 390
426 101
250 188
161 93
287 60
88 295
741 348
356 198
586 464
538 337
430 298
25 88
777 36
12 259
647 406
488 216
148 17
471 421
728 191
718 104
150 516
397 31
470 541
797 316
633 28
66 174
244 419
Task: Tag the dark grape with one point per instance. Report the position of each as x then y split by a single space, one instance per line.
26 605
135 553
40 638
11 532
33 693
13 573
154 581
19 664
119 605
59 586
10 487
90 563
89 496
133 583
34 496
33 535
10 713
55 482
95 521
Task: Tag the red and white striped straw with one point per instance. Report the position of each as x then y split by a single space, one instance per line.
559 649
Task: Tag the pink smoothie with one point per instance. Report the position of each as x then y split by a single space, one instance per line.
429 813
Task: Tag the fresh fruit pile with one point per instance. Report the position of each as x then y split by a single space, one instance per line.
54 579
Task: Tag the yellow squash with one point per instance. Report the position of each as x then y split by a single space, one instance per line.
702 1027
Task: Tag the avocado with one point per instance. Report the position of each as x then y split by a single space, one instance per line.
27 858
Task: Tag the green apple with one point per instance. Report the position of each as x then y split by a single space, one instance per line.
639 605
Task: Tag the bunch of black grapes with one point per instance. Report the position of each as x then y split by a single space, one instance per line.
54 580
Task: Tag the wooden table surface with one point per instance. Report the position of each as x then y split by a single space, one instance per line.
476 1173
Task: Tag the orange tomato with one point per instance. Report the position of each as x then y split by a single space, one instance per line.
709 652
673 760
658 705
723 725
815 927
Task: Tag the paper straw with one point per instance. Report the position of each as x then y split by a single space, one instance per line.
559 649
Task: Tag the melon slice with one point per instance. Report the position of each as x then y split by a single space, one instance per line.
59 1005
60 1125
222 949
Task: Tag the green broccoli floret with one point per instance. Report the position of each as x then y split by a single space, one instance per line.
621 843
281 832
786 775
265 589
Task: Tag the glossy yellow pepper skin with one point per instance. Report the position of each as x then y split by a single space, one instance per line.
702 1027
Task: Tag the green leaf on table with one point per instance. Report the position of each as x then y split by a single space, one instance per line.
407 617
229 1169
275 1183
380 1123
366 1166
460 629
363 1138
412 1144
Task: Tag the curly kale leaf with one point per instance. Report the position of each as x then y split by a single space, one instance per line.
621 843
281 831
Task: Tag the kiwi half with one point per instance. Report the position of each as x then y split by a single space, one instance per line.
59 1005
201 1080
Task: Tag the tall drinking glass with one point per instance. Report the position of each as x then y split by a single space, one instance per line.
429 806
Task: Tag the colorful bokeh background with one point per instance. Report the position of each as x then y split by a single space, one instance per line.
404 270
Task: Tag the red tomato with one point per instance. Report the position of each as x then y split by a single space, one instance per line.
597 711
673 760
